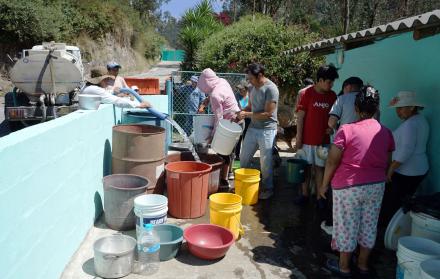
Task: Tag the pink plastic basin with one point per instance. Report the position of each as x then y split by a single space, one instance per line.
207 241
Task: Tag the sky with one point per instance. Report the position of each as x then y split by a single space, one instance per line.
178 7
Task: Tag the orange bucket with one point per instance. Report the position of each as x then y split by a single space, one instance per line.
187 187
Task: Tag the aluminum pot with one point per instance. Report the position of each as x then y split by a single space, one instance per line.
114 255
88 101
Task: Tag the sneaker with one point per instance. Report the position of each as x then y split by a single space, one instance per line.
328 229
301 200
265 194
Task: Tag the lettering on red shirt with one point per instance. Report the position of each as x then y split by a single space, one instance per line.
316 107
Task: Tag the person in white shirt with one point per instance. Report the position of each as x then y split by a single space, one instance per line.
409 163
97 85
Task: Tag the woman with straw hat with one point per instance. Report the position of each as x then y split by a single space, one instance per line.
410 163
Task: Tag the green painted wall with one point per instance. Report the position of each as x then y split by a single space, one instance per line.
400 63
51 189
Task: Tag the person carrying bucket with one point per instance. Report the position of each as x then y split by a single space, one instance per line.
224 106
262 110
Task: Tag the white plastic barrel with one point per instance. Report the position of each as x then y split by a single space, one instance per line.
203 124
150 208
226 137
430 269
424 225
411 251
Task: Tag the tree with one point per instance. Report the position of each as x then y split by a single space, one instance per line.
196 25
260 40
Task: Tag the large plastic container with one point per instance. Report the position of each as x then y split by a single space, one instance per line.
247 183
216 163
424 225
147 86
226 137
430 269
202 127
187 187
120 191
225 211
295 171
139 149
411 251
150 209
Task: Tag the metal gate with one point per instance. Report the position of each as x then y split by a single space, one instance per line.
185 98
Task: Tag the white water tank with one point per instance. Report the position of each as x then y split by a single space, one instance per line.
33 74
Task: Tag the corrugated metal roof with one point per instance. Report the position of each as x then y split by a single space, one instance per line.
402 25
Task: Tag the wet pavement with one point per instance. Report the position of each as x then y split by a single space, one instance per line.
281 240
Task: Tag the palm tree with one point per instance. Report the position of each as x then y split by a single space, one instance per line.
197 24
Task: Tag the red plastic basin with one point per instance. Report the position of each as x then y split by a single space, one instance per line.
207 241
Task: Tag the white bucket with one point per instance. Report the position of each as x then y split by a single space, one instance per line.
150 208
430 269
226 137
425 225
203 124
411 251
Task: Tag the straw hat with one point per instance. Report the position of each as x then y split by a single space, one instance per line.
405 99
98 74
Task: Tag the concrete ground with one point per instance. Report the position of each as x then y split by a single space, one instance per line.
281 240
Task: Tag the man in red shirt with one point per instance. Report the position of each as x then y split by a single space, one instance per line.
312 124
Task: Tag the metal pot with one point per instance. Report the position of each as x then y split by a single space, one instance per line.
88 101
114 255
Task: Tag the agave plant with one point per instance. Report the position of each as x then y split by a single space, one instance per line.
197 24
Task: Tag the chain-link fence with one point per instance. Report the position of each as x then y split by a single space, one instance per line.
187 100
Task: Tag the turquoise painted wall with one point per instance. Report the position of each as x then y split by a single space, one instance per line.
400 63
50 189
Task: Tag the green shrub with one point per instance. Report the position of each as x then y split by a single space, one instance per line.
263 41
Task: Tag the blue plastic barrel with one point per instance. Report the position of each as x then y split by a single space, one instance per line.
295 171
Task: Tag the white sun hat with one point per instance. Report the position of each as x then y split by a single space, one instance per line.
405 99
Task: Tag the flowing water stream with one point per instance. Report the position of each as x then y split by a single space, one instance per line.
167 119
185 138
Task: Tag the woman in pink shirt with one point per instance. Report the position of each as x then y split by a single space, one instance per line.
356 169
224 106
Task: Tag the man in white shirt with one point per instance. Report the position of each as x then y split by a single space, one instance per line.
98 85
113 70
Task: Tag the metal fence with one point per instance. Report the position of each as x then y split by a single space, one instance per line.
186 99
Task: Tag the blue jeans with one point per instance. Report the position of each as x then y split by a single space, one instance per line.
259 139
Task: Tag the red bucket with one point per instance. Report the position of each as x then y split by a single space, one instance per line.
187 187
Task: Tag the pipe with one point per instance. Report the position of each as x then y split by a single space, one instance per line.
153 111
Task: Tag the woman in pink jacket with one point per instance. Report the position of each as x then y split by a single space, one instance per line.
224 106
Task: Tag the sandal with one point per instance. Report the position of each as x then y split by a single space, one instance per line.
333 265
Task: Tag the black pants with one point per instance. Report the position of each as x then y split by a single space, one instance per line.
400 189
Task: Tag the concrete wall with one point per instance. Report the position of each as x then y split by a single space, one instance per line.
400 63
50 189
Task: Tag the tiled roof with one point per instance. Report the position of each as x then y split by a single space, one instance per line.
402 25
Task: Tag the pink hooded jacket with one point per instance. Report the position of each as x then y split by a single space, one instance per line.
221 97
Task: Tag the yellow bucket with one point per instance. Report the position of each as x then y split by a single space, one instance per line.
225 211
247 182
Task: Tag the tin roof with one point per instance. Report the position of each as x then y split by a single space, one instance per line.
403 25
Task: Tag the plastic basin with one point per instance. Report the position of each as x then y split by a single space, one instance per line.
207 241
171 237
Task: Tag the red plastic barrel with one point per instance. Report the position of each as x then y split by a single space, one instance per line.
187 187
